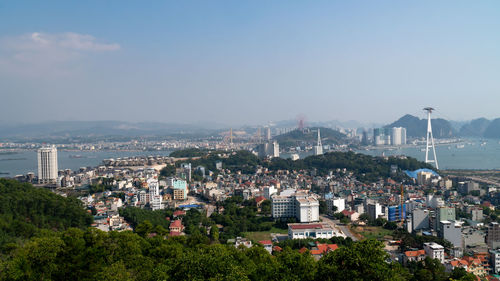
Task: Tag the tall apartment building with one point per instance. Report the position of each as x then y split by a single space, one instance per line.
493 235
269 150
452 231
180 189
398 136
420 219
186 172
394 213
374 210
154 194
47 165
495 260
153 186
299 205
337 202
444 214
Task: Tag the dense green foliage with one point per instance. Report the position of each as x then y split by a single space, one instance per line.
188 152
58 251
135 216
25 210
237 220
101 184
364 167
412 241
309 137
432 269
167 171
241 160
75 254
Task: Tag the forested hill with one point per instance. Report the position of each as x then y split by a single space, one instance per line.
416 127
365 167
309 136
24 210
475 128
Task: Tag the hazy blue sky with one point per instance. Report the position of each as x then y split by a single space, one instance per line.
248 62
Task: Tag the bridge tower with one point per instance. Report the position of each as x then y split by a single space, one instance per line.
431 139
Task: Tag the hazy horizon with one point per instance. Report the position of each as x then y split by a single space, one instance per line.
248 62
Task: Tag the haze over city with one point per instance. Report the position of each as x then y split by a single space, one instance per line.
248 62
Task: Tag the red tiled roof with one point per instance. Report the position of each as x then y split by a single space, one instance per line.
277 248
306 226
176 223
260 199
327 247
179 213
415 253
266 242
347 213
303 250
316 252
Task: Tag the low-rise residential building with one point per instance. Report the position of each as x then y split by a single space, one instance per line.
410 256
434 251
242 241
268 245
176 226
311 230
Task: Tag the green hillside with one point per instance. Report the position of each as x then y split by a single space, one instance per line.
26 210
309 136
365 167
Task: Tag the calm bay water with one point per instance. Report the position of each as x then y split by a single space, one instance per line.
470 154
24 162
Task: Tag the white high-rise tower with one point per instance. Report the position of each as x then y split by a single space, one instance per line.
318 149
429 136
47 165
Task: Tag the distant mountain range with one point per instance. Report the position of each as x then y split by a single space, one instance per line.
441 128
101 128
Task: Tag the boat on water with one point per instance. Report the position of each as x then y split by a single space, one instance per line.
460 145
76 156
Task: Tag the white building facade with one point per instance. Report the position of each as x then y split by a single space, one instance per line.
311 230
299 205
434 251
47 165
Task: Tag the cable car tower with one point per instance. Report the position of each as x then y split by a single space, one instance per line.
429 136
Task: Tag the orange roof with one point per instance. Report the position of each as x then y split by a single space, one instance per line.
303 250
277 248
415 253
266 242
260 199
325 248
316 252
179 213
176 223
